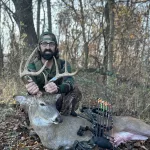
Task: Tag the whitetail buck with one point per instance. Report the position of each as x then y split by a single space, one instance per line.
57 131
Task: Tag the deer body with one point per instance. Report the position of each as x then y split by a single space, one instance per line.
47 122
127 128
63 134
55 133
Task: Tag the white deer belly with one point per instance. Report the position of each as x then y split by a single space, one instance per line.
123 137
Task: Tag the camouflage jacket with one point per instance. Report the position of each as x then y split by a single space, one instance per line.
65 84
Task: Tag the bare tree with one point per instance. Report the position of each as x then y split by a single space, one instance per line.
1 48
38 17
44 13
49 15
81 18
86 49
110 40
23 16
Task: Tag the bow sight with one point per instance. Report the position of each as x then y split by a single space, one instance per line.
101 118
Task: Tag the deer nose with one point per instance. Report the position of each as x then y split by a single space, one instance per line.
59 119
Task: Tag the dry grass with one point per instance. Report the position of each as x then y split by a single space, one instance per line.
9 88
125 98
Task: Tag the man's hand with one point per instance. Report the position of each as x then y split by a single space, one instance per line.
32 87
51 87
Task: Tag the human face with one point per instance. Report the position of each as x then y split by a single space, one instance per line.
47 48
47 44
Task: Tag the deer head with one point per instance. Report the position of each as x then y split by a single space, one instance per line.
42 110
47 122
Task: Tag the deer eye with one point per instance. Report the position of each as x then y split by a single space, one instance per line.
42 104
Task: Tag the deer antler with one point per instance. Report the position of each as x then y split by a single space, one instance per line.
66 73
25 71
57 76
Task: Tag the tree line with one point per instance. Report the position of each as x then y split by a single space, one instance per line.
108 36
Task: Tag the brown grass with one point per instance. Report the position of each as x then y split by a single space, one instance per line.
125 98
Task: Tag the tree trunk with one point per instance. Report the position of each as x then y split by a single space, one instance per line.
1 49
49 15
86 49
24 19
106 35
44 24
108 38
111 34
38 18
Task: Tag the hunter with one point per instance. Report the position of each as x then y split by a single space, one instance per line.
68 102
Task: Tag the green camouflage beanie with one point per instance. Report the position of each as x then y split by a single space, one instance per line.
52 37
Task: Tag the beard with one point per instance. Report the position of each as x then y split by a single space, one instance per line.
49 55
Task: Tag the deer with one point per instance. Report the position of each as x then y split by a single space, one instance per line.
56 130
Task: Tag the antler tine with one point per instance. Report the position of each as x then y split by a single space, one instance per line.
66 73
66 63
28 60
20 67
25 71
57 70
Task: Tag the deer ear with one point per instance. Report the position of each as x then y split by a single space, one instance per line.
21 99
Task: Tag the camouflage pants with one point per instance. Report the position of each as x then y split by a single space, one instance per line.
67 103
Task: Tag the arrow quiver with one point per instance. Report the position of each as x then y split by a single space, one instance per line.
101 118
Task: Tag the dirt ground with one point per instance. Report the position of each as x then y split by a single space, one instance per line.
14 134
